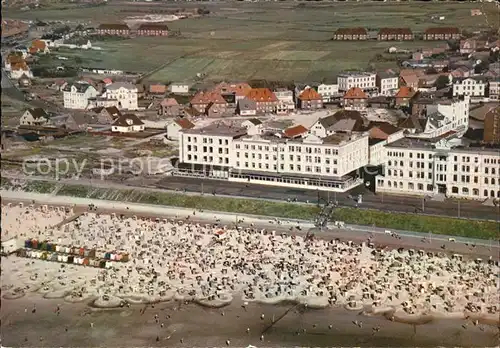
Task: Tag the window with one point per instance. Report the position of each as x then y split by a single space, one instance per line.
430 188
421 187
465 190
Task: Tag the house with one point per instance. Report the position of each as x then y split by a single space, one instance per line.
170 107
107 81
19 69
310 100
492 126
442 33
215 110
124 94
341 121
461 72
176 125
178 88
106 115
152 29
24 81
238 90
355 99
471 86
127 123
34 117
409 79
494 89
467 46
387 83
295 132
286 101
350 34
384 131
265 100
395 34
475 12
202 99
246 107
403 96
157 89
254 126
77 95
367 81
58 85
327 91
120 29
39 46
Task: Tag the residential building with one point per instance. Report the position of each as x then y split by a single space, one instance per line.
423 167
467 46
366 81
19 69
286 101
471 86
119 29
310 100
329 125
265 100
355 99
238 90
350 34
492 127
24 81
39 46
176 125
295 132
170 107
246 107
34 117
202 100
127 123
253 126
216 110
152 29
494 89
156 89
327 91
124 94
179 88
442 33
77 95
106 115
403 96
381 134
395 34
224 152
387 83
13 58
462 72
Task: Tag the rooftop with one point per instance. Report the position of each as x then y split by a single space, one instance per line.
218 129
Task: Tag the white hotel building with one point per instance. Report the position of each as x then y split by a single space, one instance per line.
365 81
420 167
470 86
77 95
311 162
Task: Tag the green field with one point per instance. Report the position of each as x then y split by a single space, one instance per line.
265 40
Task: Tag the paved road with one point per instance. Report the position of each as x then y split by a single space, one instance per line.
471 210
355 234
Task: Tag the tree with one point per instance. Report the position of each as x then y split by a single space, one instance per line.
442 82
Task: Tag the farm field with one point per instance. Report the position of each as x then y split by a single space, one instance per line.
275 41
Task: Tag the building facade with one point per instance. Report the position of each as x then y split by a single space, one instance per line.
471 86
492 126
365 81
350 34
119 29
152 29
125 95
265 100
426 168
310 100
77 95
494 89
328 91
395 34
442 33
387 83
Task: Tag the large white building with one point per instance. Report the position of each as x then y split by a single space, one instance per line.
421 167
77 95
124 94
309 162
327 91
494 89
387 83
470 86
363 80
444 117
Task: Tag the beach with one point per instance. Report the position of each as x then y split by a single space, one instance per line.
194 284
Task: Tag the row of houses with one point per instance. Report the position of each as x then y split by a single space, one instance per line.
397 34
122 29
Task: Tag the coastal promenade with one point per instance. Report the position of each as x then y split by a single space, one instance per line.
354 233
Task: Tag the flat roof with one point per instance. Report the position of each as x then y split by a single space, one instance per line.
219 129
413 143
334 139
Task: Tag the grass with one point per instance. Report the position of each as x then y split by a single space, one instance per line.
265 40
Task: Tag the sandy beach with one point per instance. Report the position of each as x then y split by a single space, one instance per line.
225 286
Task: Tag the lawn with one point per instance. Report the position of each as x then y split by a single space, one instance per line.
271 40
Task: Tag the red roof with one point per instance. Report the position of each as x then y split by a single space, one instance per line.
261 95
169 102
351 31
310 94
207 98
355 93
157 89
184 123
239 89
107 81
405 92
395 31
295 131
442 30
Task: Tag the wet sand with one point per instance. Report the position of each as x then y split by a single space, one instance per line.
189 325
